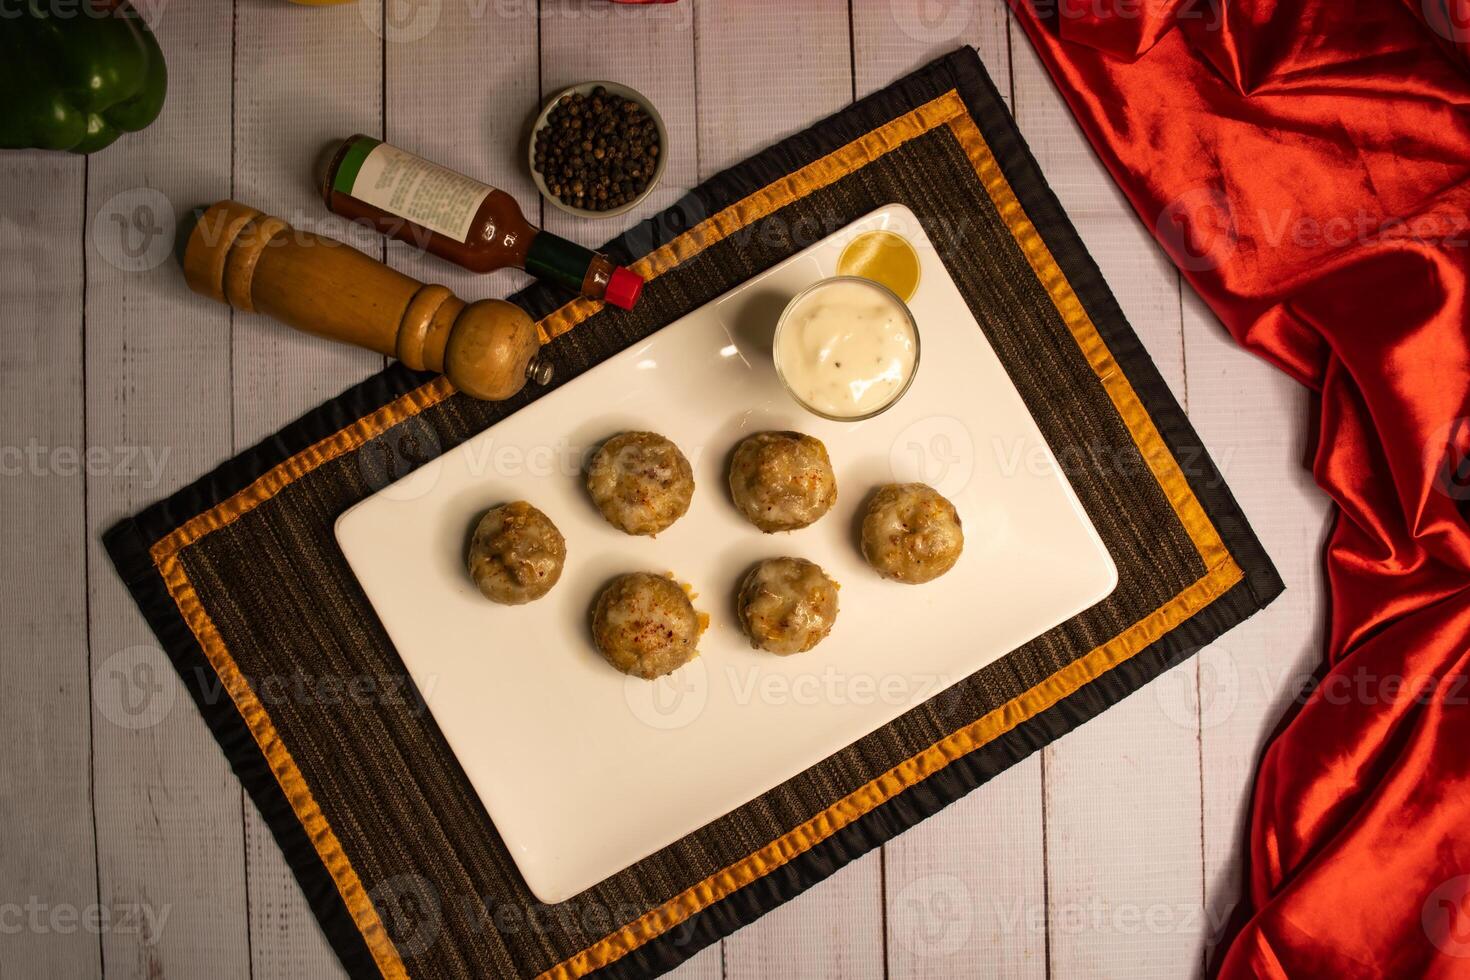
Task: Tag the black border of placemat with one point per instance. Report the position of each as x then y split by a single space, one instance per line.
129 541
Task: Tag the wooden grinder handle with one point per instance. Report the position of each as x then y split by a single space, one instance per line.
260 264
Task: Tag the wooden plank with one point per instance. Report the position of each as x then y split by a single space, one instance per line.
749 97
766 74
1122 803
965 889
304 78
476 128
892 39
650 49
168 818
45 772
835 929
1255 421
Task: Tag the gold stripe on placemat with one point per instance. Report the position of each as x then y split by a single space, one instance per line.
814 176
949 109
292 783
1160 461
909 773
1222 573
287 472
774 196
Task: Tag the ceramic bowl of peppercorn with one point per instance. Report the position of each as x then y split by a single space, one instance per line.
597 149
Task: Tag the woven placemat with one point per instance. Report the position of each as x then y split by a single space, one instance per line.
241 577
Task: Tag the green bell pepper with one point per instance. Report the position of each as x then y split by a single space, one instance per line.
76 74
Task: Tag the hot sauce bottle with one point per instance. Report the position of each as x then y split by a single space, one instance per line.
462 220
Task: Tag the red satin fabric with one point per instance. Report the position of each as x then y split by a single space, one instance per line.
1305 163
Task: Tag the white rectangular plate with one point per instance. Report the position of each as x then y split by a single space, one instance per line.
584 771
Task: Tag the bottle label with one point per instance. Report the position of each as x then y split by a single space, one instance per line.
422 192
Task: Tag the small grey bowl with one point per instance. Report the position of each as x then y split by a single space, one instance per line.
621 91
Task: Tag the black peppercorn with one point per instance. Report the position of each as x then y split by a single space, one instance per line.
596 151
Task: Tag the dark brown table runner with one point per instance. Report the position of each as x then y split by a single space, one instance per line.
241 577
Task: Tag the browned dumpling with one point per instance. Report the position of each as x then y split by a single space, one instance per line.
787 605
641 482
516 554
782 481
645 625
911 533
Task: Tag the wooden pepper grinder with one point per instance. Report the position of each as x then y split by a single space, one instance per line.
260 264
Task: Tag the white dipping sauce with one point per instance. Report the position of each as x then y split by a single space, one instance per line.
846 349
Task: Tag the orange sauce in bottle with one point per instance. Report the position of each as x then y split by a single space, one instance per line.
461 220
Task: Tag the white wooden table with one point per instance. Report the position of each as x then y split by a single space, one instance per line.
130 849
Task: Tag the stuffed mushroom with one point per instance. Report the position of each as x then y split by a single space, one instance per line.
516 554
787 605
782 481
911 533
645 625
641 482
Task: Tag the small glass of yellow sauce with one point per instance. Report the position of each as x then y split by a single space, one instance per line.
846 348
885 257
